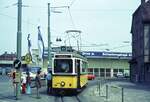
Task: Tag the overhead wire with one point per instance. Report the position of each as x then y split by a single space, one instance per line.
72 3
71 18
122 46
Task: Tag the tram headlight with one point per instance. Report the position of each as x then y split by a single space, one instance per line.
62 84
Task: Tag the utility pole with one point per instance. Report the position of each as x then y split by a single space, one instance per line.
49 39
19 40
19 33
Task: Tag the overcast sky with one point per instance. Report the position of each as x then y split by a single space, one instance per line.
105 24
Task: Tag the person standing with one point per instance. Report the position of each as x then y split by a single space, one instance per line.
49 81
28 83
38 83
23 86
13 74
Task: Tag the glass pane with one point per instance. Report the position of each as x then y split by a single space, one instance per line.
63 66
121 70
96 70
102 70
102 73
107 70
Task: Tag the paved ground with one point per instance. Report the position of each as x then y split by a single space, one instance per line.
132 93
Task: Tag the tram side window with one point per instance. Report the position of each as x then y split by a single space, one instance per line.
77 65
84 67
62 66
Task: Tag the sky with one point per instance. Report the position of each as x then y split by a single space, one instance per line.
105 24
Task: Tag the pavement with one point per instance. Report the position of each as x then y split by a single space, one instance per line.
132 92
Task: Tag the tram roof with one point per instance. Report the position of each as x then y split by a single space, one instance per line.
72 54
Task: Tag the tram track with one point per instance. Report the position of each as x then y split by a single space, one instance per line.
78 99
67 99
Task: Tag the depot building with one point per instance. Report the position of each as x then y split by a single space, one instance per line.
107 64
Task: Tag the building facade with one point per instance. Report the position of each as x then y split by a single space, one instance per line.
107 64
140 63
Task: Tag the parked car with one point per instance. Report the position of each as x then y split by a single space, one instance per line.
126 75
91 77
8 70
120 75
34 69
32 75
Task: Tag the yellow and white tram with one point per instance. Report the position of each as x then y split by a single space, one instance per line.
69 71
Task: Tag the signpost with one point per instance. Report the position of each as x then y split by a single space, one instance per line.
17 64
17 80
28 58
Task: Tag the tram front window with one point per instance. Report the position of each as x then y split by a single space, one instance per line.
62 66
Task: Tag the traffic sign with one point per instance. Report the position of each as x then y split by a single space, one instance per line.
28 58
17 64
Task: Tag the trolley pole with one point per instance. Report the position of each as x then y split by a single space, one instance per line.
19 43
49 38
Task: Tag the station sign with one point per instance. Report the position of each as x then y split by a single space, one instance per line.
106 54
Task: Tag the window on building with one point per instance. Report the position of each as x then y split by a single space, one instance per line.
121 70
102 72
96 71
90 70
146 42
115 71
108 73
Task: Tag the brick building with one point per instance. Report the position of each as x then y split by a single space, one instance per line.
140 63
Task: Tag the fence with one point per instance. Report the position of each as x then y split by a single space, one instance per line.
110 92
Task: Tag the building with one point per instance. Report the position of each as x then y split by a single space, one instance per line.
6 59
107 64
140 63
6 62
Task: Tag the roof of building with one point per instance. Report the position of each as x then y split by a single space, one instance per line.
7 56
141 14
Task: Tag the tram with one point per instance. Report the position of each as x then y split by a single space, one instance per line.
69 72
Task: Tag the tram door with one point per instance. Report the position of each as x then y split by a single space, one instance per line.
78 73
